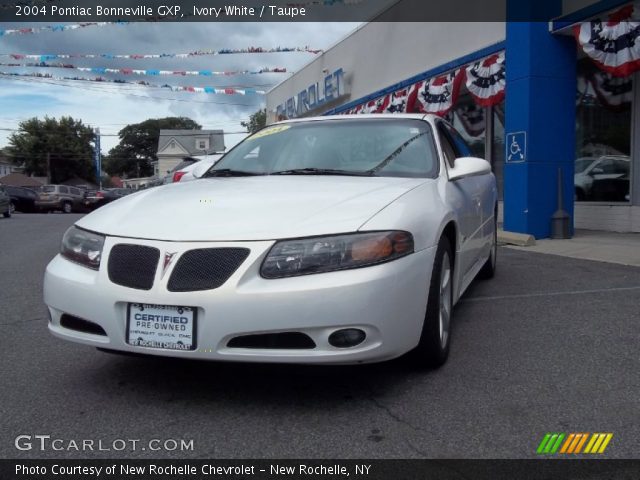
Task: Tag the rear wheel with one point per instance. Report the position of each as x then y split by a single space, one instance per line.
433 349
7 214
66 207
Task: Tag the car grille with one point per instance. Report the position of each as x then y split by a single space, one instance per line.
205 268
133 266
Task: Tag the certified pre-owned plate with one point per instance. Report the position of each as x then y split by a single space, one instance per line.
161 326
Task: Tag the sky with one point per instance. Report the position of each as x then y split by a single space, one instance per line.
111 106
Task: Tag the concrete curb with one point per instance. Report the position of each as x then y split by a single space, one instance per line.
513 238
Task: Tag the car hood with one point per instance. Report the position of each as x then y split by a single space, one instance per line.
249 208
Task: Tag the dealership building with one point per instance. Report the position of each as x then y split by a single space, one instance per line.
549 103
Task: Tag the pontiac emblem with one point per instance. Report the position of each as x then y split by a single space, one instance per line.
168 258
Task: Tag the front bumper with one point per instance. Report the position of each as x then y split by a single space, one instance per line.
387 302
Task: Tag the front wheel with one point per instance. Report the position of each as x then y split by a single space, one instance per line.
7 214
433 349
66 207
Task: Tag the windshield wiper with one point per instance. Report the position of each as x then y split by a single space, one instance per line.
229 172
319 171
394 154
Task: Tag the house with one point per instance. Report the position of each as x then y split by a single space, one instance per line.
20 180
174 145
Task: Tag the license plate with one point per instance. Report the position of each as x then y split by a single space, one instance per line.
165 327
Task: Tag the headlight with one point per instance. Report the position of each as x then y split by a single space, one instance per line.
83 247
288 258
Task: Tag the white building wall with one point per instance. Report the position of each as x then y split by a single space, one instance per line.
378 54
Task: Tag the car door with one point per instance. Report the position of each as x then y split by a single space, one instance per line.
465 196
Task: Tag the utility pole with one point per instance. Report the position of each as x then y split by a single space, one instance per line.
98 159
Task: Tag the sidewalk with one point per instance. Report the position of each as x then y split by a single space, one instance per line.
622 248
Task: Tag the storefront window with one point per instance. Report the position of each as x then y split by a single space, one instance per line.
603 135
470 120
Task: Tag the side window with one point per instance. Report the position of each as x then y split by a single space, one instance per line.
447 148
74 191
63 190
462 149
622 166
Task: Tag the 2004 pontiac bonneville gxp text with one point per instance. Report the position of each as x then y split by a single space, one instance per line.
343 239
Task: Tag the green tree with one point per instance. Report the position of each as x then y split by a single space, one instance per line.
67 141
138 146
256 121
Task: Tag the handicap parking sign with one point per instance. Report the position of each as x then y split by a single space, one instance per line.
516 145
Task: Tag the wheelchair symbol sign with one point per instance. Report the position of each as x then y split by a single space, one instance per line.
516 145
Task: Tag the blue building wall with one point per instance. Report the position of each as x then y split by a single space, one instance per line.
540 101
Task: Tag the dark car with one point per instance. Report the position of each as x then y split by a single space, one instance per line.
5 203
97 198
22 199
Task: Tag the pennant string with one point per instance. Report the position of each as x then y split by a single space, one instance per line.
134 56
173 88
130 71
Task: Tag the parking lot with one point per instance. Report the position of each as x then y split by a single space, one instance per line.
549 345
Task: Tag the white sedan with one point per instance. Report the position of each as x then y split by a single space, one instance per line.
344 239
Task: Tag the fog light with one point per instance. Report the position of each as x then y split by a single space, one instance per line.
346 338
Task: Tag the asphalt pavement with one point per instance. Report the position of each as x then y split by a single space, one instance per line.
549 345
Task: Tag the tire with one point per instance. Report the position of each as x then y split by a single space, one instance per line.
488 270
433 349
66 207
7 214
12 208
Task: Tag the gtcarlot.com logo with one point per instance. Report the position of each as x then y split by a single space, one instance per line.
44 443
574 443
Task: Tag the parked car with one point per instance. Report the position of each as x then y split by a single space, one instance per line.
97 198
344 239
5 202
60 197
186 161
595 178
189 172
22 199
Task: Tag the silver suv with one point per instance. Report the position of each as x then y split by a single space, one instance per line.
60 197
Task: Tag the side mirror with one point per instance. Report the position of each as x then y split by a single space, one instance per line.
596 171
200 169
468 167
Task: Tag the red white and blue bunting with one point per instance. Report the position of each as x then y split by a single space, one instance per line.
485 80
613 45
613 92
436 95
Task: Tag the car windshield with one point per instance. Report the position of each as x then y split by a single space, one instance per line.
582 164
376 147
